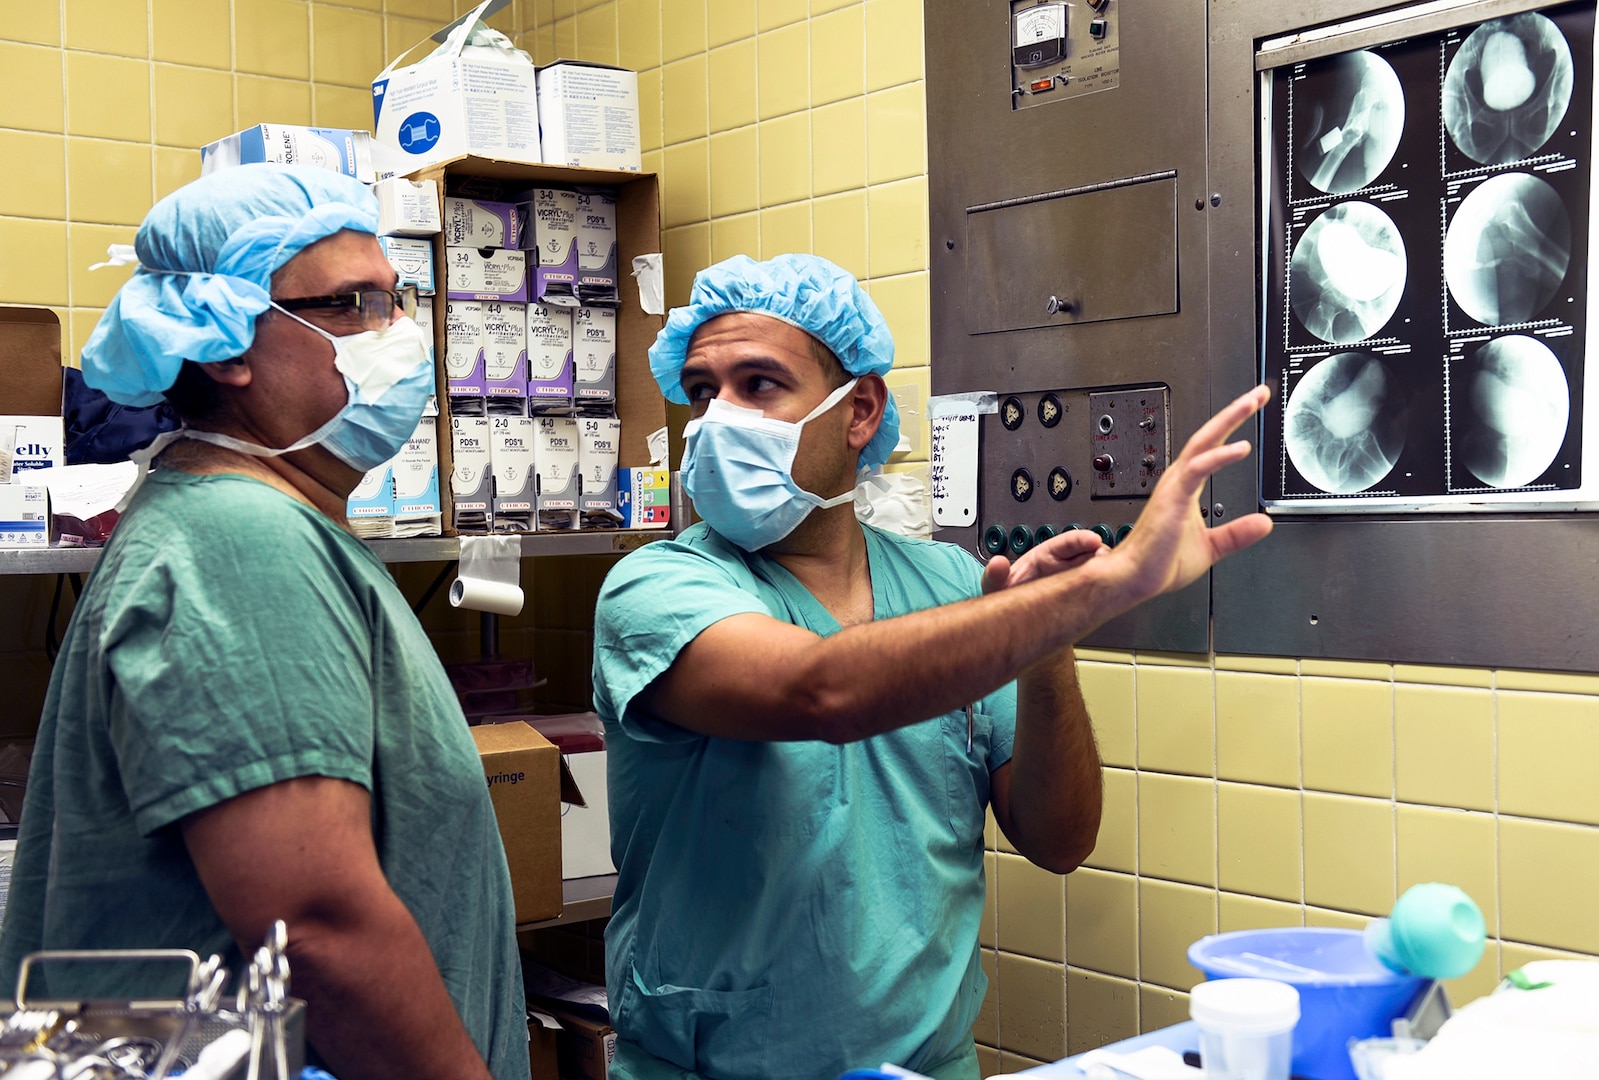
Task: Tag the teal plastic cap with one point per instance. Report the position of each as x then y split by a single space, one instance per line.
1435 931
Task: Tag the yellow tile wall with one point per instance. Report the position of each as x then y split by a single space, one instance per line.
1240 791
1245 792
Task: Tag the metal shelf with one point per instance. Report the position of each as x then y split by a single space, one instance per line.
66 560
582 899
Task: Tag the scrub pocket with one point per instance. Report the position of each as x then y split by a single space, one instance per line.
967 773
697 1029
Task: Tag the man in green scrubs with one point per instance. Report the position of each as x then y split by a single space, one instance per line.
246 722
807 717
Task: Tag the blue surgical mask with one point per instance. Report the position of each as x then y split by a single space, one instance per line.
388 378
738 467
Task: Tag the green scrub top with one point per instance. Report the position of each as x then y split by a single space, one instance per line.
788 911
230 638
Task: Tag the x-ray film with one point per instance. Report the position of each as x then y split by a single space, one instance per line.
1425 214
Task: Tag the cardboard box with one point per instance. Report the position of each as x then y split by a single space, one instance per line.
639 404
524 774
512 455
589 115
594 354
644 498
30 361
447 105
586 830
407 207
482 224
485 274
40 441
341 150
463 348
412 259
472 475
504 349
549 357
585 1046
24 516
553 222
556 457
596 248
543 1030
417 506
597 438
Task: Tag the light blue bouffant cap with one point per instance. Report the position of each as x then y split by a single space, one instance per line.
207 253
805 291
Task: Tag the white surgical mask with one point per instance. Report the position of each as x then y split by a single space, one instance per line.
738 467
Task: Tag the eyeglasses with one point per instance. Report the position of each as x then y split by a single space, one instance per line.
373 307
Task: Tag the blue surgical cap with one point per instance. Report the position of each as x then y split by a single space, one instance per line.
219 241
805 291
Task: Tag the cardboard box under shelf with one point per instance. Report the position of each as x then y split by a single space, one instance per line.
30 361
527 781
639 404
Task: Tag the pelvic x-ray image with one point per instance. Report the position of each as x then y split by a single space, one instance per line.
1508 88
1348 273
1426 334
1347 121
1507 249
1515 410
1344 424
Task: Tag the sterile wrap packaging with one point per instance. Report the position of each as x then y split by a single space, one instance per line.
418 508
596 248
505 352
486 274
554 224
475 94
512 448
473 478
590 115
463 347
594 355
339 150
599 441
556 456
482 224
412 260
549 357
370 507
407 207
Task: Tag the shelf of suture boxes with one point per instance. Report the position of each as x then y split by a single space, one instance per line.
582 899
69 560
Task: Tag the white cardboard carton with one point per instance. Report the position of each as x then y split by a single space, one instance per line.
340 150
589 113
407 207
460 99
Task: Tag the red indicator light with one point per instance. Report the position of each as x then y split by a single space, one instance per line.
1040 85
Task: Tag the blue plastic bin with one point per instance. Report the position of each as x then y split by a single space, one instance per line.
1344 991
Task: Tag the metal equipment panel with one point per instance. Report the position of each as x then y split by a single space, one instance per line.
1077 256
1068 239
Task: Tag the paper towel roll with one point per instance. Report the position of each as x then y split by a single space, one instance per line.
480 595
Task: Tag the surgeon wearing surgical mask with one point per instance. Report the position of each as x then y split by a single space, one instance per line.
246 722
807 718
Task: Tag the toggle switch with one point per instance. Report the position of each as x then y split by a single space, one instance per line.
1147 423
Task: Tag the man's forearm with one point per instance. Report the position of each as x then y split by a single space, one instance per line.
1055 791
375 1004
880 676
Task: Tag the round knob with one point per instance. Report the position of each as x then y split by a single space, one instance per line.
1060 483
1042 533
1011 413
1049 410
1122 533
1106 534
1021 485
1104 463
1021 538
1149 461
994 540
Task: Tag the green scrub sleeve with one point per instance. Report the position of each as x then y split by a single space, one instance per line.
654 602
232 668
